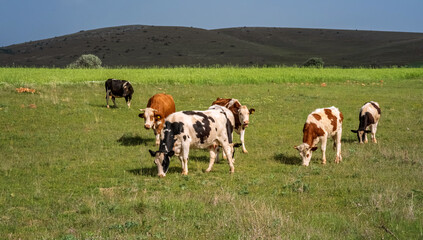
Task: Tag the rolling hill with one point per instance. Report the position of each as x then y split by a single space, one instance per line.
144 46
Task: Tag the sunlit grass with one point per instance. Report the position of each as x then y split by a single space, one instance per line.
72 169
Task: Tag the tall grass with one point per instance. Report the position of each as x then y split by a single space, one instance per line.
218 75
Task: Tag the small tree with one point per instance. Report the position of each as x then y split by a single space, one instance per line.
86 61
314 62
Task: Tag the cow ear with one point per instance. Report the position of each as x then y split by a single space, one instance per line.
296 147
354 131
153 154
313 149
171 153
252 110
141 115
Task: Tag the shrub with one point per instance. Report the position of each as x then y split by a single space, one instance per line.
86 61
314 62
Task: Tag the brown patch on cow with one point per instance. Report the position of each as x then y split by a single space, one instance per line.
317 116
377 108
233 108
310 132
341 116
371 119
332 118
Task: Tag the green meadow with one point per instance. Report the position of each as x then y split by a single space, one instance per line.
72 169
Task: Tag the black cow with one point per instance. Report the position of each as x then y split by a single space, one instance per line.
117 89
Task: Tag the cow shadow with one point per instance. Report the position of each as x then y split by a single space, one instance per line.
152 171
349 140
289 160
134 140
202 158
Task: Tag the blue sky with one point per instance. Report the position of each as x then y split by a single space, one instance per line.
30 20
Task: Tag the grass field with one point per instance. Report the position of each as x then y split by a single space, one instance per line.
72 169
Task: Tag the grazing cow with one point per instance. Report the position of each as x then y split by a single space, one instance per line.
369 117
321 124
158 108
241 114
198 129
117 89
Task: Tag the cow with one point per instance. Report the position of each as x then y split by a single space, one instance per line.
321 124
158 108
198 129
369 117
117 89
241 114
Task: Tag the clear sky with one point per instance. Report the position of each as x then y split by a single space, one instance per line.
26 20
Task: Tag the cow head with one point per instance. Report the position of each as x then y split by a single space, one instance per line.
127 89
244 115
305 152
151 117
360 134
162 160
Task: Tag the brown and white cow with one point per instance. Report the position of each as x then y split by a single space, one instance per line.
241 114
158 108
198 129
321 124
369 117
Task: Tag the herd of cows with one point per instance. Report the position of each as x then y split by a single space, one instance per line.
212 129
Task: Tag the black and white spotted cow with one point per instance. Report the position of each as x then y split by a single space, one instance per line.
369 117
198 129
117 89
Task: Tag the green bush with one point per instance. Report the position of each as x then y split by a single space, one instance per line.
86 61
314 62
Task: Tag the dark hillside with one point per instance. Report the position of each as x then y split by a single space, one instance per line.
144 46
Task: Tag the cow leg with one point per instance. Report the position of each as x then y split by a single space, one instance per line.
374 129
244 150
338 158
107 98
324 142
365 136
113 99
157 137
213 154
227 149
128 101
185 153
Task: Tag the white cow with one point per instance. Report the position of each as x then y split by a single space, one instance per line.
321 124
369 117
198 129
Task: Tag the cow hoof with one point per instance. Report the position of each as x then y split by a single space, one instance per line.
245 151
324 162
208 170
184 173
162 175
108 106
